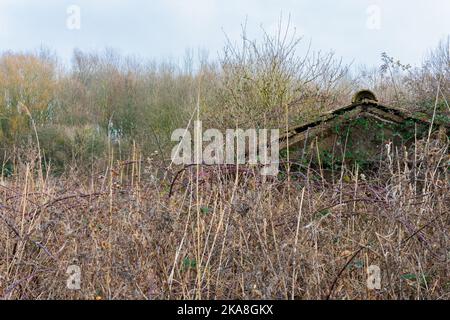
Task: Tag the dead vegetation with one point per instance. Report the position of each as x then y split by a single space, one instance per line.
229 237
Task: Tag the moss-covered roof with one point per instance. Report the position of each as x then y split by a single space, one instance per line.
364 103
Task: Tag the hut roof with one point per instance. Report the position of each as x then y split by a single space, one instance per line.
364 103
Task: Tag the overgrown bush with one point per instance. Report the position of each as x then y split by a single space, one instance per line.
268 84
28 86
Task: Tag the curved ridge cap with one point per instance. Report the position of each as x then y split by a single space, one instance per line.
364 94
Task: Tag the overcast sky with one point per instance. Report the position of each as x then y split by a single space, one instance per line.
357 30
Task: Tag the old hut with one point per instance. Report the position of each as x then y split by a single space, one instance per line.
358 132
